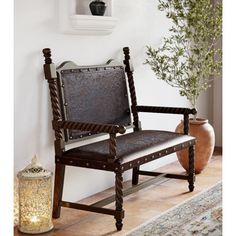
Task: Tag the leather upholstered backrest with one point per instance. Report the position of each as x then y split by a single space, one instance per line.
93 94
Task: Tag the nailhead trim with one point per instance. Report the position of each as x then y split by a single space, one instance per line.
135 163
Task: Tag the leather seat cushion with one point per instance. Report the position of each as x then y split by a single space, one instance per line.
132 145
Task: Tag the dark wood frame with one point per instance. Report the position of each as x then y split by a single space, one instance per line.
113 164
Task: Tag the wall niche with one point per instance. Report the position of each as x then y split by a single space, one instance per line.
75 17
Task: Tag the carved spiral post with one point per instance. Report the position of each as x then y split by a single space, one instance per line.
51 77
129 72
112 146
131 88
191 172
119 200
119 215
55 106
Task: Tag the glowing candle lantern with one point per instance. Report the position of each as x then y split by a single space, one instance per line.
35 199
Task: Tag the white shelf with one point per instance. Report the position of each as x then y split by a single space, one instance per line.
93 25
70 22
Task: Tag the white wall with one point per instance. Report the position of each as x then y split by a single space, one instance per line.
217 110
36 27
217 101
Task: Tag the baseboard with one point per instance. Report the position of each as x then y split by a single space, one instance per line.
218 150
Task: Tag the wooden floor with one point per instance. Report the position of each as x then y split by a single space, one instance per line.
139 207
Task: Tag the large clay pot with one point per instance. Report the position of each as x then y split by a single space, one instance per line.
205 135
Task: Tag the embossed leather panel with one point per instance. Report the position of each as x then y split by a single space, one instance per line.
95 95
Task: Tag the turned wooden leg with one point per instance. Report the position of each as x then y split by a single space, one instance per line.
119 200
58 189
135 176
191 171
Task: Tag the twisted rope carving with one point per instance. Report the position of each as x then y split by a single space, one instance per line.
55 105
119 200
52 82
119 192
171 110
54 99
100 128
131 87
191 169
112 146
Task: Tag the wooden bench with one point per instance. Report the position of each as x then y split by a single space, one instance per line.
92 100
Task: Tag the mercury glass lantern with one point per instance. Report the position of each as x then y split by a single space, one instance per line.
35 199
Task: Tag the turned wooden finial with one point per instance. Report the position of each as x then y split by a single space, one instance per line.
49 67
47 55
126 60
126 49
126 52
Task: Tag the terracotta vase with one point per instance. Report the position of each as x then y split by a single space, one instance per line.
205 135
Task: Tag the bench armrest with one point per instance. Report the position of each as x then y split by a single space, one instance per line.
112 130
100 128
170 110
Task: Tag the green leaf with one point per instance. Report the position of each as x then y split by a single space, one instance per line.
187 58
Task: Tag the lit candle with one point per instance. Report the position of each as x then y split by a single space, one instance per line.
34 219
35 200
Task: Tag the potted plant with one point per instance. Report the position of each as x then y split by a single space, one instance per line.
189 60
